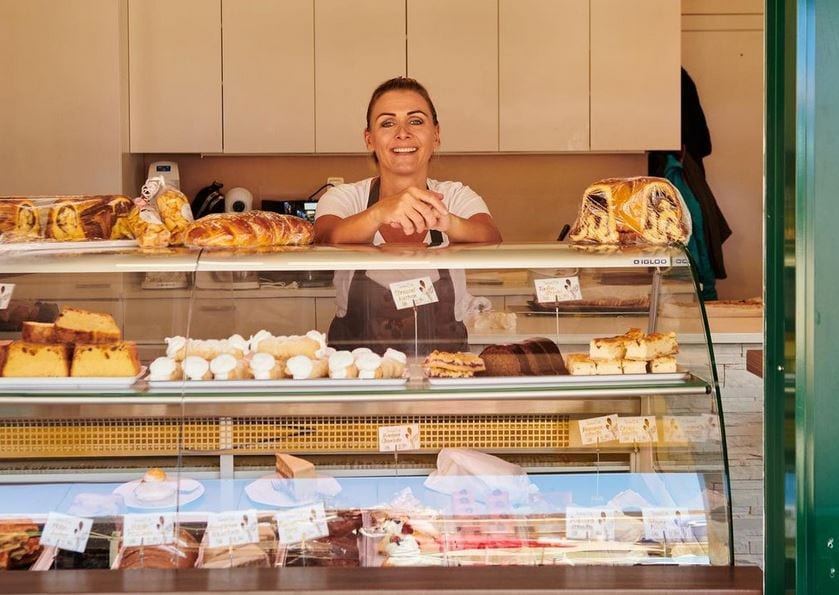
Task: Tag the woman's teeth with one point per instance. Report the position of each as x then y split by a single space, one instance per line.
404 149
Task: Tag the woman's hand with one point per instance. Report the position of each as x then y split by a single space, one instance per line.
415 210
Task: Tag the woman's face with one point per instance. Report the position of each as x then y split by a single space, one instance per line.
402 133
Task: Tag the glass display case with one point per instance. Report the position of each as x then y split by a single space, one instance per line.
533 405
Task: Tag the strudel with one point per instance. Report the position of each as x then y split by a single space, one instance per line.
445 364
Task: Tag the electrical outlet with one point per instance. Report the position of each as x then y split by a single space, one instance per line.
334 180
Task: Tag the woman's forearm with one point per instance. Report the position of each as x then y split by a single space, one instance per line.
356 229
479 228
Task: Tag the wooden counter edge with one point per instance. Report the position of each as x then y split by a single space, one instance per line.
591 580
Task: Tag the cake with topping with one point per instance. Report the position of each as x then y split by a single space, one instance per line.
459 364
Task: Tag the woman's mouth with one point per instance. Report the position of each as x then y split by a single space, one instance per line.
404 149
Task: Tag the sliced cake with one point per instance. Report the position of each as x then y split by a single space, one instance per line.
38 332
105 360
580 364
27 360
75 325
294 467
663 365
445 364
652 346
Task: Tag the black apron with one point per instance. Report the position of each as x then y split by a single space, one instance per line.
373 321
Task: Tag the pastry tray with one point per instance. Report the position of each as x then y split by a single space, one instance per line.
199 386
44 383
563 380
68 246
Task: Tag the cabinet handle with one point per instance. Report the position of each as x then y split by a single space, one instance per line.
225 308
92 285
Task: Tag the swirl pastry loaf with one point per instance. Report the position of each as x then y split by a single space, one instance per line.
254 228
20 218
80 219
632 210
121 208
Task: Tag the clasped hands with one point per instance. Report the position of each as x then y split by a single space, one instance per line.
415 210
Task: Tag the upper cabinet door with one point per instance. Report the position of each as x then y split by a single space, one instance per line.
544 75
453 51
175 76
269 86
358 44
635 76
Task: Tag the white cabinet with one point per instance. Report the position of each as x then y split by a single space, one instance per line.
358 44
544 75
635 76
453 51
175 76
268 58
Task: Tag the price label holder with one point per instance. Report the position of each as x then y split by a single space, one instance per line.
411 293
297 525
233 527
596 430
398 439
148 529
6 291
66 532
590 524
555 290
666 524
637 430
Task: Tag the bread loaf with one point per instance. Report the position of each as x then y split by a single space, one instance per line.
80 219
632 210
251 229
20 219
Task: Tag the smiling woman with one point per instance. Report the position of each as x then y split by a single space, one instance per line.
402 205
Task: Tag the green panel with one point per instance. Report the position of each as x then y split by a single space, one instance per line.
779 273
817 297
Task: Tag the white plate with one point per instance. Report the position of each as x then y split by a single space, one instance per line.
285 383
262 491
68 246
71 382
190 490
564 380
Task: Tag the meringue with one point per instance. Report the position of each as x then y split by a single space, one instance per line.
196 368
369 365
165 368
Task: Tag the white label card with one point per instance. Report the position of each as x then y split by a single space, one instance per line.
66 532
685 428
591 524
671 524
637 429
400 438
413 292
598 429
302 524
148 529
6 290
558 289
234 527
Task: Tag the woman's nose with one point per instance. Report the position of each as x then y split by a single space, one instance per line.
402 131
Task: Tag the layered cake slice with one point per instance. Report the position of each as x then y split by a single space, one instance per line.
459 364
26 360
38 332
105 360
294 467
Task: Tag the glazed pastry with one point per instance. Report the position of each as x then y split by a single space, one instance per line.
369 366
342 365
165 368
121 207
20 219
197 368
85 219
265 366
393 364
286 347
254 228
227 367
147 226
301 367
175 213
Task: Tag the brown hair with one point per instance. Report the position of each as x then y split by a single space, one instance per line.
401 83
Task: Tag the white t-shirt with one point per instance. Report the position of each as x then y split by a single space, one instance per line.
347 200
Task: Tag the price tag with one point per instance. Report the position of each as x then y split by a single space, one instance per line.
148 529
301 524
413 292
399 438
6 290
66 532
593 524
558 289
234 527
671 524
637 429
685 428
598 429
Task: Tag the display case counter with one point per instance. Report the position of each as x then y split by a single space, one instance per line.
540 405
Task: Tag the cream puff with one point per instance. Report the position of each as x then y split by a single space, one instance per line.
301 367
393 364
227 367
165 368
342 365
265 366
197 368
369 365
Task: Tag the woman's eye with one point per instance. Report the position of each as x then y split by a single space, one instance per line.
387 124
417 122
